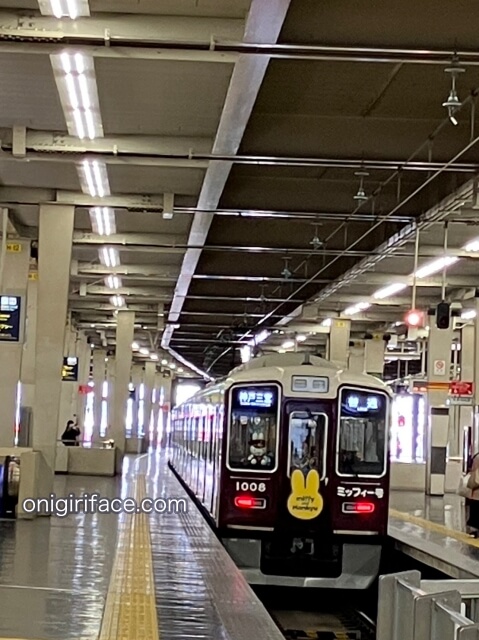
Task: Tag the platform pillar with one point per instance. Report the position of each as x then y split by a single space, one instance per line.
54 258
338 344
111 378
99 376
136 379
165 409
84 365
374 356
14 281
438 374
465 414
475 430
150 371
124 338
28 355
356 357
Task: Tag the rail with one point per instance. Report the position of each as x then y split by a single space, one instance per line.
413 609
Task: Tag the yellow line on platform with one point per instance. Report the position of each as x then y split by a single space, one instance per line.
130 608
434 526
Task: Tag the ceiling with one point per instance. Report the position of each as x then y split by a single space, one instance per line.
254 119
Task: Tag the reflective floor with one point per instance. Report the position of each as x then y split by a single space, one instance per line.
54 572
448 510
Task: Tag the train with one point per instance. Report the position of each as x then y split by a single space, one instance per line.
288 456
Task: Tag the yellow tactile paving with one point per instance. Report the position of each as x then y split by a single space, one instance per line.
434 526
130 609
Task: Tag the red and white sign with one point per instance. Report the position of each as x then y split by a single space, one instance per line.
439 367
461 388
84 389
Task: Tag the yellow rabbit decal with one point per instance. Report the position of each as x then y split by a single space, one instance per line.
305 501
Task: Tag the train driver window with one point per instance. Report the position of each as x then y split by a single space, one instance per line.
307 435
362 433
253 428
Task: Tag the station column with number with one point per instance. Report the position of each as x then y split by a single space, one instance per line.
438 375
13 289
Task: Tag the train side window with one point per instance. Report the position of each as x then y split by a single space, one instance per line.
253 428
362 433
308 437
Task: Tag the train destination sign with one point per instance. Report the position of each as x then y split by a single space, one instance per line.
10 318
70 369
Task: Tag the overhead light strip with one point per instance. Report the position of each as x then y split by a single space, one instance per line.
109 257
72 9
76 82
93 176
103 221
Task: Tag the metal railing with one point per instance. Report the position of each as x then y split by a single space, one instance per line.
413 609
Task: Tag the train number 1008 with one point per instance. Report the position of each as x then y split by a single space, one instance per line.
251 486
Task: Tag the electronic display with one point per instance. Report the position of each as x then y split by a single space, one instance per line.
10 317
356 403
70 369
255 397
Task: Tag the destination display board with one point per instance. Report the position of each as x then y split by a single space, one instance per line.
70 369
10 318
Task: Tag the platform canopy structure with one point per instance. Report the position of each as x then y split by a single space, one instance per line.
245 171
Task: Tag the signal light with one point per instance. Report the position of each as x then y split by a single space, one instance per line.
245 502
414 318
443 315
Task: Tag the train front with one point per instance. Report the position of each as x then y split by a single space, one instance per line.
305 482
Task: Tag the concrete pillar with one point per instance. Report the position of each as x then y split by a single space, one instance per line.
99 376
150 371
356 357
465 413
338 344
15 279
156 405
124 338
165 409
438 369
475 436
136 379
84 363
374 356
111 378
54 259
69 390
28 355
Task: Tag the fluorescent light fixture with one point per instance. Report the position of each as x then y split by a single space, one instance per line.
172 365
287 344
144 351
72 9
154 356
94 178
103 221
259 338
301 338
469 314
164 362
433 267
327 322
117 301
390 290
135 346
113 282
356 308
472 247
76 83
109 257
180 370
245 353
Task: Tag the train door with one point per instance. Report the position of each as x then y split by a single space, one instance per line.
302 544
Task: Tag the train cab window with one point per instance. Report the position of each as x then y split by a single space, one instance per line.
362 437
307 436
253 428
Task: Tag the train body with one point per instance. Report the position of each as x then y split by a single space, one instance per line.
289 455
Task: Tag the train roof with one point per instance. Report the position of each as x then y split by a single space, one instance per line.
282 367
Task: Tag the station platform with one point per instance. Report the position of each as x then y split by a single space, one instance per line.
106 576
432 531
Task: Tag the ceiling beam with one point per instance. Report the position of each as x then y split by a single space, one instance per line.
263 26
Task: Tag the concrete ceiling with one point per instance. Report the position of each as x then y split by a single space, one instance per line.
257 116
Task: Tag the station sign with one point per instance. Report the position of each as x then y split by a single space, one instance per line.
70 369
461 392
10 318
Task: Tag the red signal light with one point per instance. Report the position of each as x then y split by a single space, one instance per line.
244 502
414 318
364 507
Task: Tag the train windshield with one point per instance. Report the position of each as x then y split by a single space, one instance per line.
307 435
362 437
253 428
